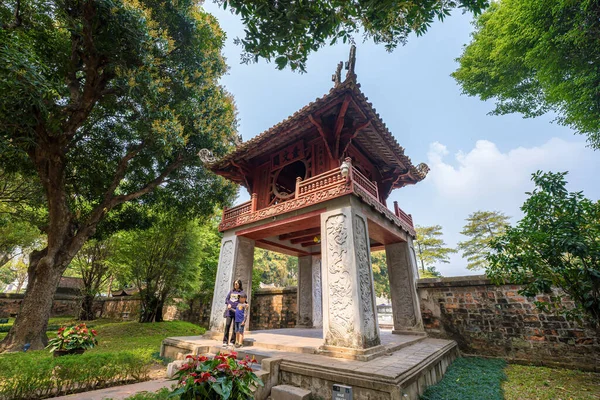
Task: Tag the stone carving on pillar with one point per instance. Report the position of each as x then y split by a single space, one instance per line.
341 302
317 292
223 283
363 263
402 266
305 290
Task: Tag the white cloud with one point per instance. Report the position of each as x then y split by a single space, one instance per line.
486 178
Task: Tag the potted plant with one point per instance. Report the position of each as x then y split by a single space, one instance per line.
222 377
75 339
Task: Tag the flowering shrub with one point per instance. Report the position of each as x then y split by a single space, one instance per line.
73 338
222 377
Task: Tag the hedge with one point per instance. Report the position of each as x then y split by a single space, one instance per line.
41 376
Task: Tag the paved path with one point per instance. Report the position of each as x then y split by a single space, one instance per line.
120 392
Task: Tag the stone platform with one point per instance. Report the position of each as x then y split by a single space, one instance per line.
295 357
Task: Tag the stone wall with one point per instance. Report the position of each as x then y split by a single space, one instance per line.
496 321
63 305
273 308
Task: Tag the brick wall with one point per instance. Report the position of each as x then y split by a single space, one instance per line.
63 305
496 321
273 308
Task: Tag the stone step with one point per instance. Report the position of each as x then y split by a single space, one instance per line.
257 353
288 392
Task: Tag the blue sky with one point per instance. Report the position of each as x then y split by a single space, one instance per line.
477 161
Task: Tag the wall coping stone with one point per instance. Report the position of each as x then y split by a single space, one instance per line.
454 281
275 290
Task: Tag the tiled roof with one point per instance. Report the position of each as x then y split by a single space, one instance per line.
247 149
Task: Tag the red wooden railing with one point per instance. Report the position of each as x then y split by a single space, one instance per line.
367 185
321 183
318 183
244 208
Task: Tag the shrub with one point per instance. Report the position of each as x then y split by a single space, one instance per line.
222 377
73 338
39 377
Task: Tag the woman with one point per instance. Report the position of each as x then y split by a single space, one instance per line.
232 300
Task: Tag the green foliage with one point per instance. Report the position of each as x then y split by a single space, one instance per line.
482 227
123 354
163 261
537 56
556 244
72 338
162 394
430 272
381 280
289 30
36 377
430 247
219 378
209 243
470 379
275 268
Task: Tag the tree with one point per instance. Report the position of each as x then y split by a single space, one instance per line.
15 270
289 30
482 227
381 279
107 102
430 247
556 244
18 199
93 263
275 268
430 272
163 261
536 57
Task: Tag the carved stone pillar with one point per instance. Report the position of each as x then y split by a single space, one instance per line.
317 297
349 316
305 293
235 262
402 270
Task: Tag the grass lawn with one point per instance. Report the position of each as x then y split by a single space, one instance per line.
127 351
116 335
479 378
540 383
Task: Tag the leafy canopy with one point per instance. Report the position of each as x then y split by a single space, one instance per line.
289 30
537 56
116 98
431 247
482 227
556 244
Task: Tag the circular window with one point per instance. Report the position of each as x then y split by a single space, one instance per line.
285 179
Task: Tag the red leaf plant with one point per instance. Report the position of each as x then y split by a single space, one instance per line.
221 377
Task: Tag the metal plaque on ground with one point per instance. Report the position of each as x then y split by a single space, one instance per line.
341 392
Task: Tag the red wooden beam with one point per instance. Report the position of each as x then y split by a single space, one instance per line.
280 248
355 134
339 124
324 135
304 239
286 225
305 232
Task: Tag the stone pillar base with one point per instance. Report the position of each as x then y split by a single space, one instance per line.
353 354
409 332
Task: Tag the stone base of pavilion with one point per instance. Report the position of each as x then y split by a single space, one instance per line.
401 368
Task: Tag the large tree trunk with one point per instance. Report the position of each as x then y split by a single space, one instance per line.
30 325
86 313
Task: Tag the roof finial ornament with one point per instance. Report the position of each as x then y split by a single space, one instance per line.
206 156
351 63
337 77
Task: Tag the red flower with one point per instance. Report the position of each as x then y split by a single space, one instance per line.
223 366
220 357
94 332
202 358
233 355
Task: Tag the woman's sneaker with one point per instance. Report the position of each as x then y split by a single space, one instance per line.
224 345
